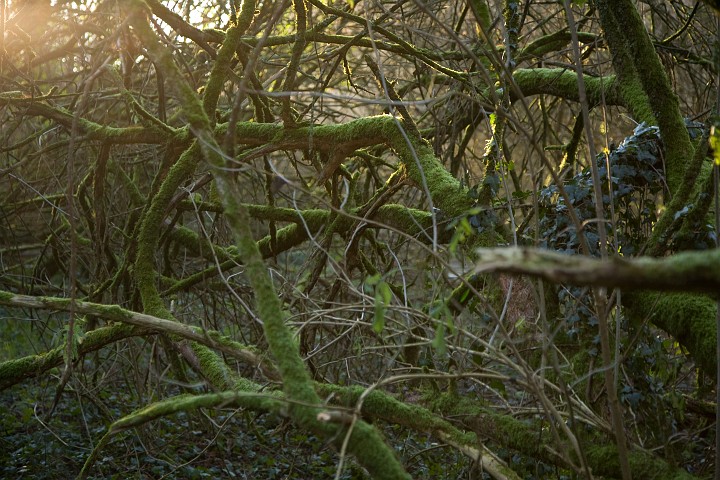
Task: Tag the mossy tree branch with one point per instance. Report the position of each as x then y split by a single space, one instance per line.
622 15
687 271
146 323
16 370
365 442
688 318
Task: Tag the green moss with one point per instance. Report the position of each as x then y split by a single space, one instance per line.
423 167
180 403
481 11
198 245
215 369
221 66
688 318
657 245
604 461
365 442
377 458
187 402
637 101
630 86
427 172
531 438
116 312
16 370
516 434
380 405
635 50
309 216
126 135
61 303
149 233
700 212
252 133
552 43
12 371
296 379
563 83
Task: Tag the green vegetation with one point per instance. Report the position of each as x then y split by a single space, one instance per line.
353 240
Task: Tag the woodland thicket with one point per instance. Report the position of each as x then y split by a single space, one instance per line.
358 239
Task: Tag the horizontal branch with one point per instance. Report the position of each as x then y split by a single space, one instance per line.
94 131
563 83
687 271
18 369
150 323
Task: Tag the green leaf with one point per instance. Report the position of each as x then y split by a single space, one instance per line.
464 296
379 319
383 295
373 280
438 343
715 143
384 292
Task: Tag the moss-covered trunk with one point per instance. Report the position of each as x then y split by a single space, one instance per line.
648 94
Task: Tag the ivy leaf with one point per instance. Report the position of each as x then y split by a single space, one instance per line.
492 181
682 212
462 231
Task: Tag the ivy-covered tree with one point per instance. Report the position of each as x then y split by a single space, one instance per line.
255 238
